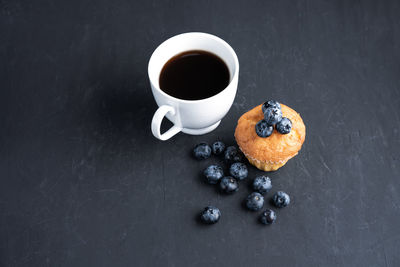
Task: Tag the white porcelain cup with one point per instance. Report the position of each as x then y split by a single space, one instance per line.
191 116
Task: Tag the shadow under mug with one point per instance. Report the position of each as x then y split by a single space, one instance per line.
194 117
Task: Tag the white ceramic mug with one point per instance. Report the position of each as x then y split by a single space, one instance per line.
191 116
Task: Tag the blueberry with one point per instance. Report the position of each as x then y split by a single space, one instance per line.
263 129
254 201
281 199
270 103
272 115
262 184
202 151
210 215
268 217
284 126
238 170
232 154
228 185
218 147
213 174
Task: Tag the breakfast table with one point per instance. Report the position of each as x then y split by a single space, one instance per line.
83 181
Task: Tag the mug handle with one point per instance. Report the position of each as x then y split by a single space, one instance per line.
156 123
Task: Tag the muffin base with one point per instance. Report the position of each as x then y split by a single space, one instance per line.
266 166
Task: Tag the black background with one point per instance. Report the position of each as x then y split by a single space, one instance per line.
84 183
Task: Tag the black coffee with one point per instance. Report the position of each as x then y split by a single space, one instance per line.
194 75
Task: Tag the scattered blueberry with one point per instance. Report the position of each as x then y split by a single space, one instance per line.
228 185
213 174
218 147
263 129
273 115
262 184
254 201
202 151
281 199
238 170
232 154
270 103
284 126
268 217
210 215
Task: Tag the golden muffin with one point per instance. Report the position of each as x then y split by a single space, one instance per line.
269 153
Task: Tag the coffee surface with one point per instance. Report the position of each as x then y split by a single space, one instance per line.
194 75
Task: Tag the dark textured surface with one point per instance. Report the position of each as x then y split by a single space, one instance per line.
84 183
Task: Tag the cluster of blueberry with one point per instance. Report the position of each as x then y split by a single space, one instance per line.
214 174
272 117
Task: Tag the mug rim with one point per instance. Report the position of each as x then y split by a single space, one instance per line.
224 43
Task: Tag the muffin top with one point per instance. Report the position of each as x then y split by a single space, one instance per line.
275 148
